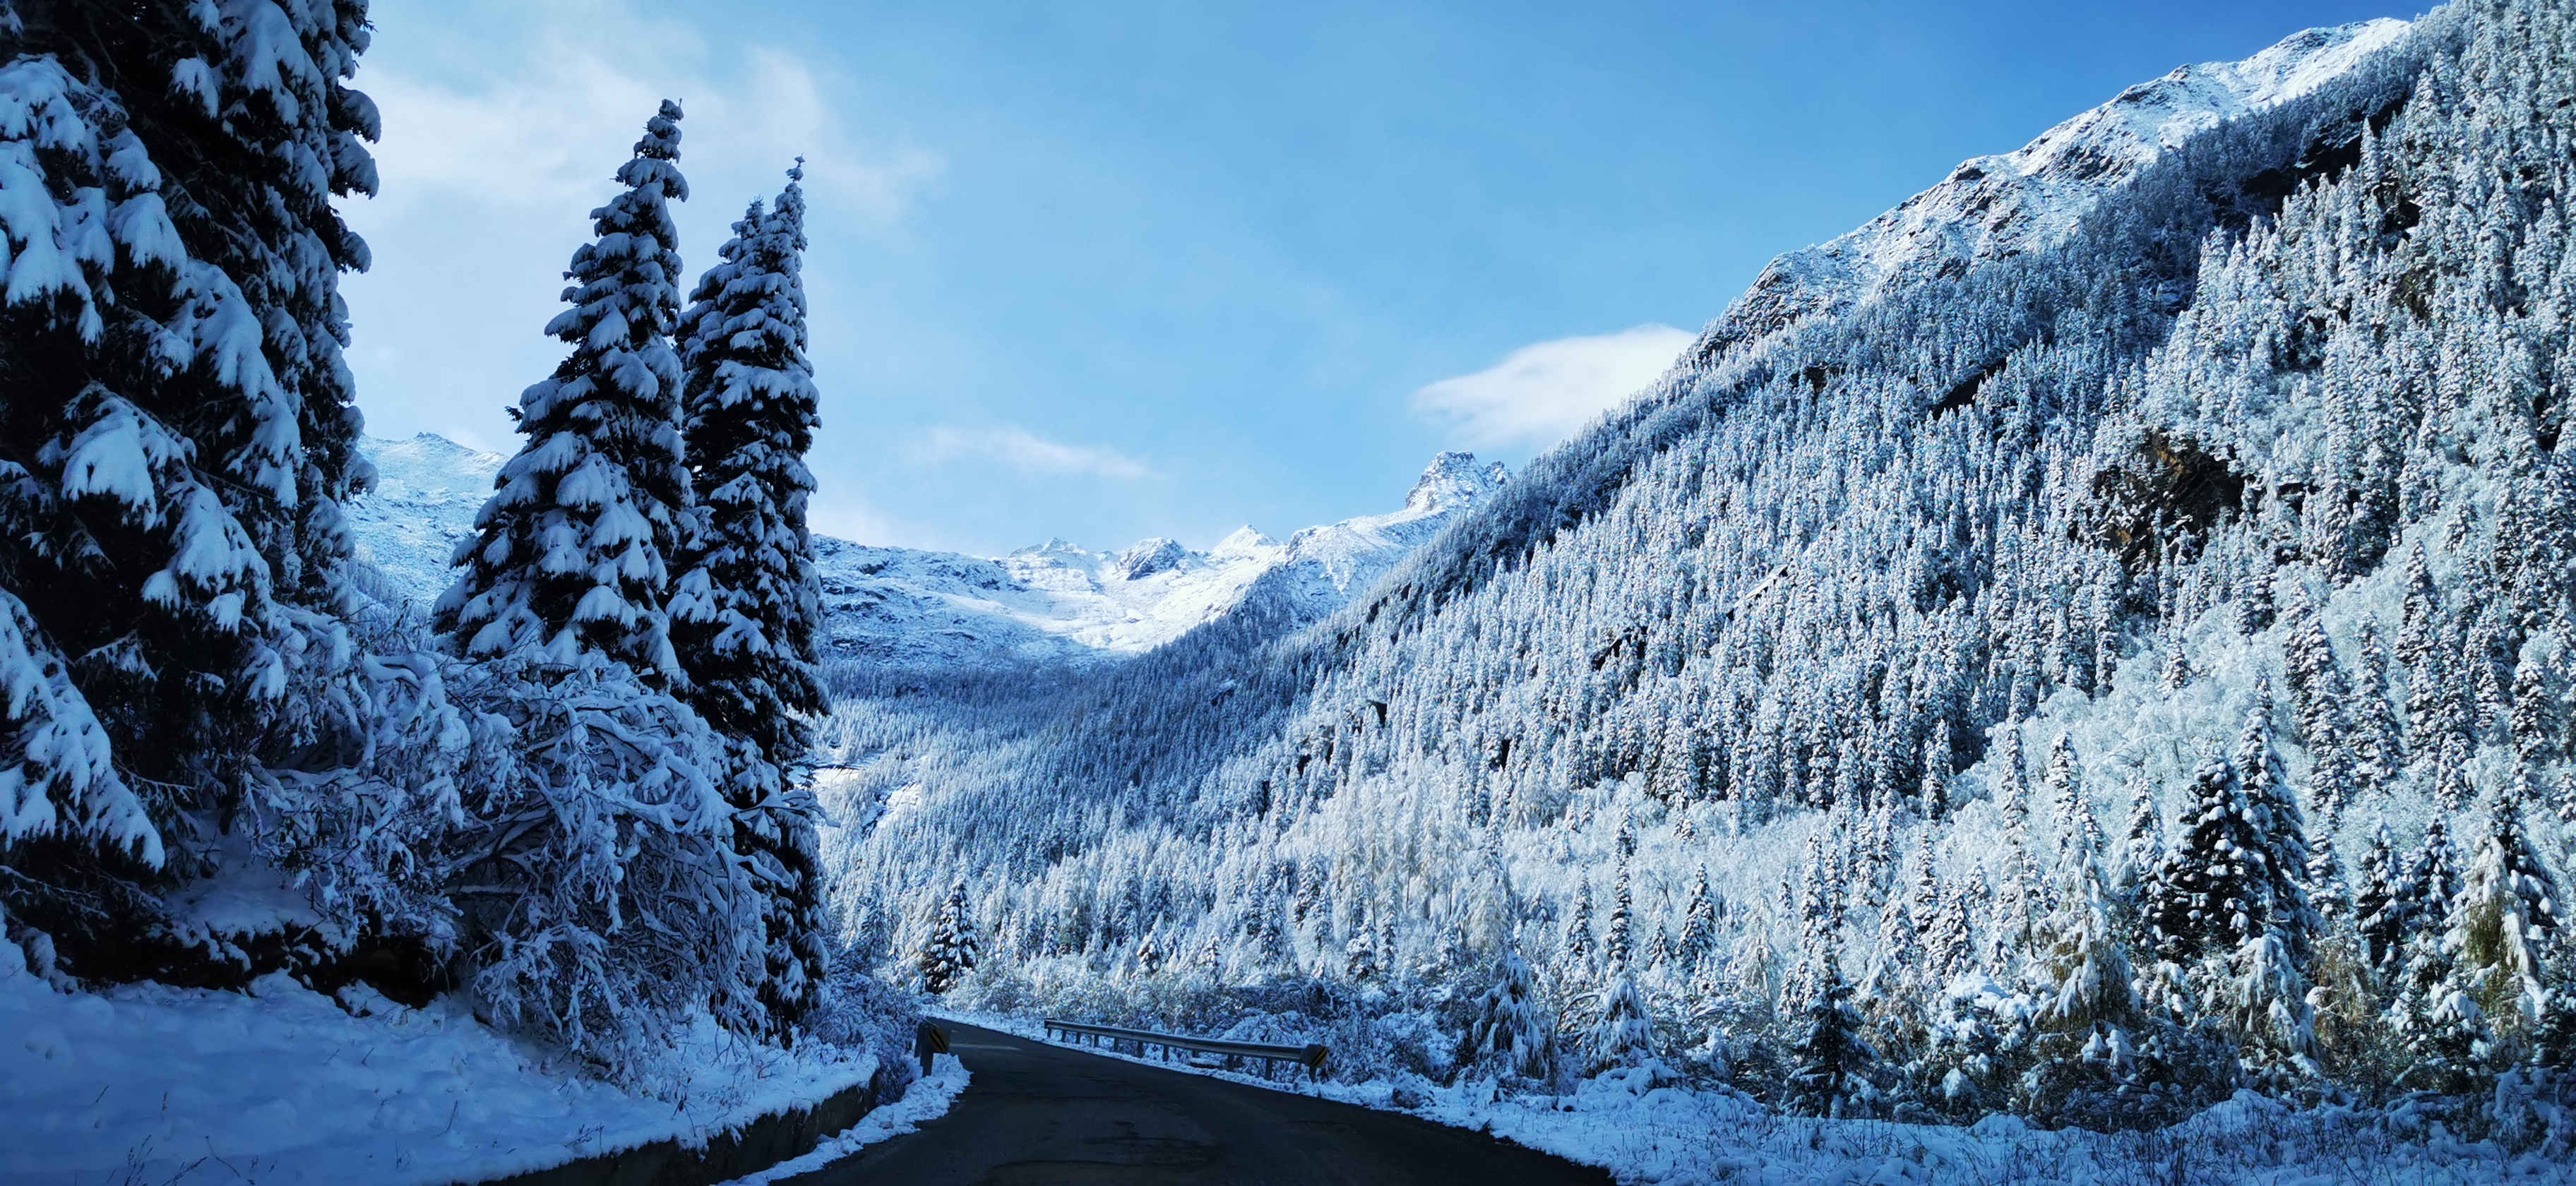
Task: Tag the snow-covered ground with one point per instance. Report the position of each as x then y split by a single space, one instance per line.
285 1086
927 1101
1052 603
1645 1127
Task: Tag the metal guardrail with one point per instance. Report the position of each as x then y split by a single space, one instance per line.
1310 1056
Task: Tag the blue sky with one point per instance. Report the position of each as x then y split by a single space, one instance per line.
1104 270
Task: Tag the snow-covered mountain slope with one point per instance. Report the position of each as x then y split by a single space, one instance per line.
1995 207
427 490
904 607
1820 666
1059 602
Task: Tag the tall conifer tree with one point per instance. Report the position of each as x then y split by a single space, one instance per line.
176 433
572 554
747 598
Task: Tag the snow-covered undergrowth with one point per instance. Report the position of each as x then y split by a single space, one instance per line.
1667 1135
145 1083
927 1101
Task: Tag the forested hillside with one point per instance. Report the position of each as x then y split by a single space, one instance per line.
2116 609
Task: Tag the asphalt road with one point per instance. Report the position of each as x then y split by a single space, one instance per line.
1041 1115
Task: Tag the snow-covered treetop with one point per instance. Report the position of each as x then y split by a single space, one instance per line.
572 552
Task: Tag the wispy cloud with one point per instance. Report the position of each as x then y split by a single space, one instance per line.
1541 393
538 123
504 123
1027 453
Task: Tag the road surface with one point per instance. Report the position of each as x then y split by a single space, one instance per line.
1041 1115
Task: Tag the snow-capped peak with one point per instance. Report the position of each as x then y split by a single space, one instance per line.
1992 207
1055 601
1244 542
1062 602
1452 481
1146 557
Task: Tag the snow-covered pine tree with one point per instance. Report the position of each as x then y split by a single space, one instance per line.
2275 1024
2376 738
1359 957
2220 884
177 434
571 556
2084 958
2378 914
2431 884
747 598
1624 1036
2539 716
2452 789
1832 1058
1699 926
2020 896
1575 953
1950 942
1897 968
950 952
1934 792
1819 893
2316 683
616 808
1617 945
2504 917
1750 969
2441 1030
2142 847
1507 1032
1875 871
2420 615
2276 819
2083 1050
2069 811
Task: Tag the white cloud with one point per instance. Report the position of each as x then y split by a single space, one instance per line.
1542 393
1027 453
538 122
504 124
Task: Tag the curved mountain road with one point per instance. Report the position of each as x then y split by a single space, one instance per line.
1042 1115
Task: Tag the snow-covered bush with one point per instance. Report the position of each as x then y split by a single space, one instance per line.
603 895
857 1010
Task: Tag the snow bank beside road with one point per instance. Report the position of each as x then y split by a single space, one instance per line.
287 1087
928 1100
